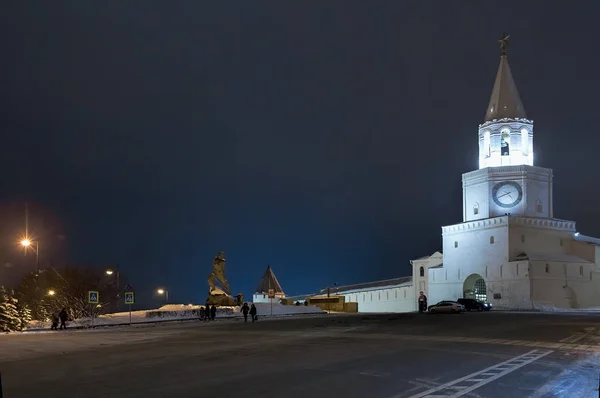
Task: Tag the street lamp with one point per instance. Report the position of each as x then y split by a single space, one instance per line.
51 292
26 243
165 292
109 272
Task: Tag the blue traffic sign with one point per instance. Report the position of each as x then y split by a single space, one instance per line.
129 298
93 297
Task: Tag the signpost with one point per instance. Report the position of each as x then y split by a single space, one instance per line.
129 299
93 298
271 297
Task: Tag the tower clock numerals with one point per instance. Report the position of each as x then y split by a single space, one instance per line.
507 194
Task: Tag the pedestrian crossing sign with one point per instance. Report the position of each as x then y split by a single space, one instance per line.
129 299
93 297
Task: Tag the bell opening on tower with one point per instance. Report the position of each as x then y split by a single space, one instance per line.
505 144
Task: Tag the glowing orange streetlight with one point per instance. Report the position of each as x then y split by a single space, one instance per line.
27 243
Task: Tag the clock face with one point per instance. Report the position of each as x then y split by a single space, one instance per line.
507 194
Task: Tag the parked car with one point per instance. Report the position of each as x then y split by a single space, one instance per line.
474 305
446 307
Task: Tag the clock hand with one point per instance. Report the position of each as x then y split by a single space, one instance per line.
505 194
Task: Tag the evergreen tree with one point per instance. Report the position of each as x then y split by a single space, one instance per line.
9 315
24 315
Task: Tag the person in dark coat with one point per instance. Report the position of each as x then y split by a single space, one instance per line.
253 313
54 322
422 302
213 312
207 312
201 313
244 311
63 319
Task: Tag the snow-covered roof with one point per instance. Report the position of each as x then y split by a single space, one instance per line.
434 255
269 281
360 287
556 257
587 239
505 101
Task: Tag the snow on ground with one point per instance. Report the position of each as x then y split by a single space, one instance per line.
263 309
548 308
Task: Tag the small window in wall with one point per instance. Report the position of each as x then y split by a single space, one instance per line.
581 270
387 295
404 293
371 297
396 293
486 271
539 206
522 238
491 240
421 271
476 208
505 143
379 296
364 298
459 273
501 269
547 268
455 243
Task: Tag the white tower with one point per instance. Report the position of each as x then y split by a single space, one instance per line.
507 182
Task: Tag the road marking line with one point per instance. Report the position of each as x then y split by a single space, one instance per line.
524 343
572 339
506 367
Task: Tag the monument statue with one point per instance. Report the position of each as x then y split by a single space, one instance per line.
220 296
504 43
218 273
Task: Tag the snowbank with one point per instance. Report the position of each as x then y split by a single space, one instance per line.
549 308
264 309
174 312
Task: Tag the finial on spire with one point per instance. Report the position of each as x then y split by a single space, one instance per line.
504 43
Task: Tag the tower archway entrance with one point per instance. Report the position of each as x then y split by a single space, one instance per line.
474 287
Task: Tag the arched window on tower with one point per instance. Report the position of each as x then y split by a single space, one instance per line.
539 206
476 208
505 143
524 142
486 145
421 271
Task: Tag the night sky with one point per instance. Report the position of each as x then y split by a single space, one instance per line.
327 140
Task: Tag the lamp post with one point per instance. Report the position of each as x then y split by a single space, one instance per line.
166 293
109 272
26 243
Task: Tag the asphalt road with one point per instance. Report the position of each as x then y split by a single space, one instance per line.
376 356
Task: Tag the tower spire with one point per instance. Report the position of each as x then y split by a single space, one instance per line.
505 101
504 43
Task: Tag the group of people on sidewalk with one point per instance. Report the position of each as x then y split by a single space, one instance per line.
252 310
209 313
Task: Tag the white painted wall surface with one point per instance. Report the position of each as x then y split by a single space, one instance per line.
388 299
421 283
264 298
